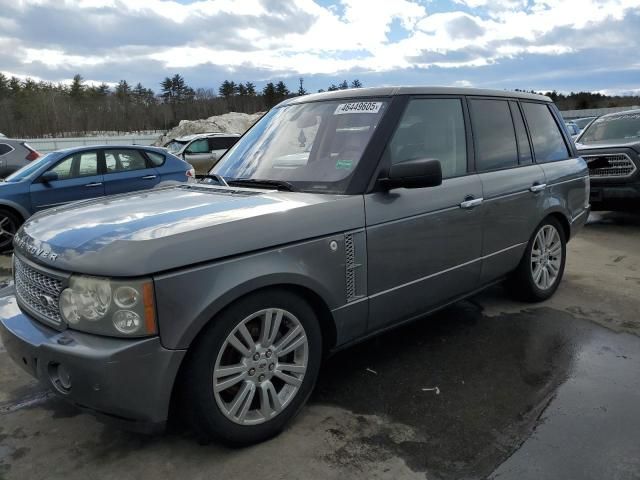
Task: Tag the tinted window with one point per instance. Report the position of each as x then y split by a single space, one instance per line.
493 134
156 158
124 160
222 143
432 128
548 144
4 148
80 165
524 149
199 146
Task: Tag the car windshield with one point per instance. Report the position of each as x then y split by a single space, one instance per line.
624 126
312 146
174 146
28 169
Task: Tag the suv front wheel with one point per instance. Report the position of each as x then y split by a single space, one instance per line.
542 265
254 368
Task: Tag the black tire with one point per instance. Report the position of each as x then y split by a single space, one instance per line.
10 223
521 283
198 399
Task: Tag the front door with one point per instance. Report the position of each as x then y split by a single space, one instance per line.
198 153
78 179
424 245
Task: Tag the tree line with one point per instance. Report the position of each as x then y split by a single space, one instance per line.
584 100
31 109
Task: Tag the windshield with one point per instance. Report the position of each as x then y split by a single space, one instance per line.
174 146
28 169
616 127
313 146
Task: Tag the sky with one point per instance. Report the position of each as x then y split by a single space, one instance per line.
564 45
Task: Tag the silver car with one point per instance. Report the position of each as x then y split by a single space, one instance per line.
336 217
14 154
202 150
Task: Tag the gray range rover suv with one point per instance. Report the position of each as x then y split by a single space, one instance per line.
335 217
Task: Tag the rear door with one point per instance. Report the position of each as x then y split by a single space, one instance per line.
79 178
513 186
424 244
128 170
219 146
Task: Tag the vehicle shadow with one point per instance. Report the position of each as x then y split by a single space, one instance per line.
494 377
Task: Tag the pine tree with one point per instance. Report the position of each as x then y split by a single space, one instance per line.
281 90
356 84
344 85
251 89
301 90
269 94
227 89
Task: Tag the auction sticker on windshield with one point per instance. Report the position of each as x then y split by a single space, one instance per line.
358 107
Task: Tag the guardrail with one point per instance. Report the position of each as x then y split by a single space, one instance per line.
46 145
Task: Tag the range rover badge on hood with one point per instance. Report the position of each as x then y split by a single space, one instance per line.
21 242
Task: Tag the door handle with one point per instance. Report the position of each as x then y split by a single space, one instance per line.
95 184
538 187
149 177
471 202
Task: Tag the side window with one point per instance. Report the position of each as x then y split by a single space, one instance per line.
63 169
157 159
432 128
493 134
548 143
199 146
216 143
79 165
521 135
4 149
124 160
229 142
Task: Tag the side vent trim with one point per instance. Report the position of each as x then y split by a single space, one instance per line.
355 265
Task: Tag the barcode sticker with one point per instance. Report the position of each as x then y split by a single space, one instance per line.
358 107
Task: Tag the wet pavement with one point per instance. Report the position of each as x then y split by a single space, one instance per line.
486 388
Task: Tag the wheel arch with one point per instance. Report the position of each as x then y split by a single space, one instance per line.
564 221
19 210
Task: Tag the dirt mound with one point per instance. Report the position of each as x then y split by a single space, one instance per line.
232 122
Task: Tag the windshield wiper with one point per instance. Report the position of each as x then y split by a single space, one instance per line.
260 183
213 176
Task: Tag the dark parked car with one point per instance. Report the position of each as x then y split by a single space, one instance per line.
611 147
336 217
15 154
82 173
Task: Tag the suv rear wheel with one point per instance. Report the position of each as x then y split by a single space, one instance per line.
542 265
254 368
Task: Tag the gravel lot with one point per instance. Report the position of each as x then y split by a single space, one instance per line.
523 391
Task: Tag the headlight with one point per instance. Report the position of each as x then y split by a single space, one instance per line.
109 307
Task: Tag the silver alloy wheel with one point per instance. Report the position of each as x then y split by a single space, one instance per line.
546 257
260 366
7 230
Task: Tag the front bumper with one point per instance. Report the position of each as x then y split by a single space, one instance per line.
127 381
606 191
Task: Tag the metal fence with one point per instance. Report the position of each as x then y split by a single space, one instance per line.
45 145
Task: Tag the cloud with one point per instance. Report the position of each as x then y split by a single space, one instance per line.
210 40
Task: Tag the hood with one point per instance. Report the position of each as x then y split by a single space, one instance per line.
621 143
158 230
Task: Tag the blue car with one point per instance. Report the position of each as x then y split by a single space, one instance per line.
82 173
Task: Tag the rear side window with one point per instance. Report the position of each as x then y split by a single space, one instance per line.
124 160
222 143
4 149
432 128
548 143
524 149
157 159
493 134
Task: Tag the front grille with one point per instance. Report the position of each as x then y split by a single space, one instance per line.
38 291
610 165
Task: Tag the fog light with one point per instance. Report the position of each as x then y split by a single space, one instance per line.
60 377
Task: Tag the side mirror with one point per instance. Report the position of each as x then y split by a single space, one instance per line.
416 173
49 176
